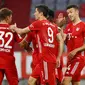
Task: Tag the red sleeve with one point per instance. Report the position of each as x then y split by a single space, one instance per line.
35 25
84 29
18 38
29 37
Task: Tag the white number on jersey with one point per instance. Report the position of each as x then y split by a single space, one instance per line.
3 44
50 34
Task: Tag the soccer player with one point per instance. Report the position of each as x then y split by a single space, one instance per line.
7 40
31 37
25 43
47 34
58 70
74 36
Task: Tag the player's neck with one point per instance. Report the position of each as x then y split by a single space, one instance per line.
76 21
3 22
43 18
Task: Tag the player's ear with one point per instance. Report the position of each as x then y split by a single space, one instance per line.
77 12
7 18
41 13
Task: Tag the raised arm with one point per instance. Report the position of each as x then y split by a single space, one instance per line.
61 44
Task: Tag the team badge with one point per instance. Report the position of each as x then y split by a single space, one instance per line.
68 29
77 29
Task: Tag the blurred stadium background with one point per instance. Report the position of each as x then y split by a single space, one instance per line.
23 16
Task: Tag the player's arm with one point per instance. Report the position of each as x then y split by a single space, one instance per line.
20 30
63 35
25 43
34 26
75 51
82 48
61 44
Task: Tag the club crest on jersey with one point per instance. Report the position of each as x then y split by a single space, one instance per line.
77 29
68 29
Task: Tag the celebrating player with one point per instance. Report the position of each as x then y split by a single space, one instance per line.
7 40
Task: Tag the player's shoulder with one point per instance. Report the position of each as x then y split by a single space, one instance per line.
45 22
69 24
55 24
38 22
82 23
4 26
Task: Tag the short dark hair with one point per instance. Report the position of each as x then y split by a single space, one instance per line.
42 8
4 12
50 16
72 6
51 13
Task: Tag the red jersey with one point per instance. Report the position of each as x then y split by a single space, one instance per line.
46 35
75 36
7 40
32 37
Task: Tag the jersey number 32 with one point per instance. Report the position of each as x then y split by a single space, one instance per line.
4 35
